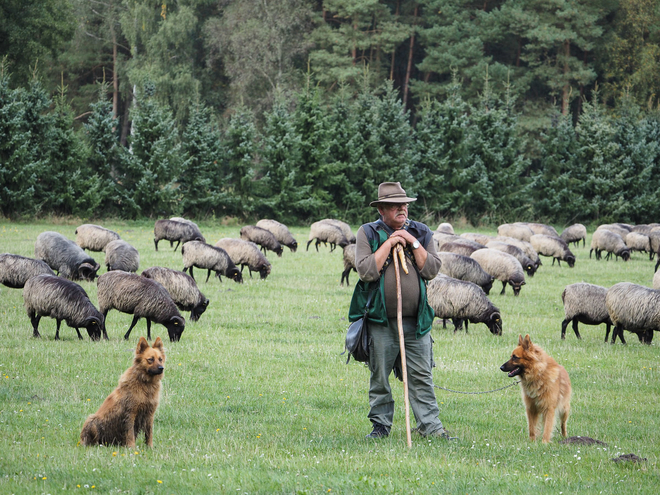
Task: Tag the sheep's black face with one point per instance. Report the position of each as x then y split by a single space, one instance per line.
198 310
94 328
516 287
530 270
486 288
571 261
279 251
175 328
293 247
625 255
495 324
235 275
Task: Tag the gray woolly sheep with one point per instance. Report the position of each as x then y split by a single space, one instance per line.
15 270
120 255
502 266
65 257
574 234
522 232
638 242
440 238
182 289
460 247
173 231
528 265
540 228
480 238
265 239
201 255
281 233
324 232
617 229
94 237
245 253
184 220
526 247
345 228
465 268
462 301
446 228
554 247
584 303
612 243
142 298
349 263
50 295
634 308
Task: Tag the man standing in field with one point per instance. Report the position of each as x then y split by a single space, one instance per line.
373 259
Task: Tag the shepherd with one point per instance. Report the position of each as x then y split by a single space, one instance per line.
374 257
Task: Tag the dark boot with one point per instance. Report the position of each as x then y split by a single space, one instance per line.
379 431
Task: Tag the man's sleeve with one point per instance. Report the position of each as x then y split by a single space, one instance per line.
432 265
365 260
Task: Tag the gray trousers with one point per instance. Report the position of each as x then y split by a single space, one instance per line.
383 354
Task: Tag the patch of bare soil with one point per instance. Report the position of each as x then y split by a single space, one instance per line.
629 458
583 441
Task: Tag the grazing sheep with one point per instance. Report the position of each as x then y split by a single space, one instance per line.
15 270
540 228
281 233
465 268
584 303
182 289
446 228
345 228
502 266
94 237
522 232
201 255
65 257
464 247
612 243
634 308
349 263
173 231
50 295
120 255
245 253
480 238
265 239
548 245
142 298
462 301
617 229
324 232
638 242
525 246
574 234
528 265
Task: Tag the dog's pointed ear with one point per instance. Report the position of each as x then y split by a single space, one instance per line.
520 340
142 346
527 342
158 344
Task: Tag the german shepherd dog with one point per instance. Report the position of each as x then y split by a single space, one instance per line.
546 388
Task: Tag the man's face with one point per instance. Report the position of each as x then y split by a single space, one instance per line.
394 214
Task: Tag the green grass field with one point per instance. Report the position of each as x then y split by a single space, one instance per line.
257 398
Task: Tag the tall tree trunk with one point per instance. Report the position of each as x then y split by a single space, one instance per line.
394 49
565 92
410 57
115 76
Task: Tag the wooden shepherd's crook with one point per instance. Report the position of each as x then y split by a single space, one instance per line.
402 345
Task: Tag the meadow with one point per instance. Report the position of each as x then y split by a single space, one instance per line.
258 399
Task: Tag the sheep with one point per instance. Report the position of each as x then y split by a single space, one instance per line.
656 280
184 220
642 228
142 298
465 268
605 240
246 253
265 239
324 232
281 233
528 265
584 303
173 231
345 228
462 301
65 257
182 289
50 295
349 263
120 255
480 238
575 233
94 237
502 266
548 245
638 242
201 255
15 270
654 239
464 247
540 228
526 247
521 232
634 308
440 238
617 229
446 228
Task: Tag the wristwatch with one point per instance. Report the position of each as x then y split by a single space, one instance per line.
415 245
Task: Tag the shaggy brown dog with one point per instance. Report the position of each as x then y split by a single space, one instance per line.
130 408
546 388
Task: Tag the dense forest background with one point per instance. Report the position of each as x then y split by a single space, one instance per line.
488 110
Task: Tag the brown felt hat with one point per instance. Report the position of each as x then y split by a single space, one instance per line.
391 192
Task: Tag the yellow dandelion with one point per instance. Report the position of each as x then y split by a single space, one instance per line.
44 478
158 481
114 454
78 486
93 486
136 453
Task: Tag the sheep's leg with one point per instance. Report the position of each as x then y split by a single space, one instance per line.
466 325
607 331
657 264
310 241
317 245
564 324
177 246
57 332
34 318
80 337
558 262
105 334
332 246
575 329
503 288
553 261
135 320
148 329
208 276
156 244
